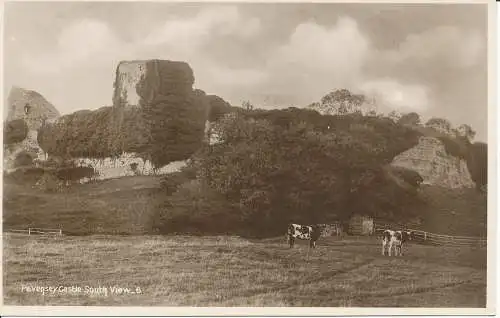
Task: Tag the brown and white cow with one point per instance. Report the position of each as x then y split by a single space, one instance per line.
395 239
303 232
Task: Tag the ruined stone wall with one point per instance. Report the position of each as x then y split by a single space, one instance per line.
128 75
39 109
34 109
430 160
122 166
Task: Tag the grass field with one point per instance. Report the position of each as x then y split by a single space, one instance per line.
230 271
115 206
126 206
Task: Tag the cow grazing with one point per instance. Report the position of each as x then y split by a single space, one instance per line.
395 239
303 232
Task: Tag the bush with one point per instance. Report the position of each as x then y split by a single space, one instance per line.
49 183
477 162
23 159
456 146
72 174
293 165
195 208
410 176
14 131
25 175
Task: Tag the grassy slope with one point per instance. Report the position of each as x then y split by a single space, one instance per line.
125 205
113 206
454 211
228 271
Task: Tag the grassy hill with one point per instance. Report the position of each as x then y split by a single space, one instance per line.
116 206
126 206
454 211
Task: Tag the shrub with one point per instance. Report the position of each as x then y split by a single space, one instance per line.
72 174
477 162
197 209
456 146
14 131
23 159
25 175
49 183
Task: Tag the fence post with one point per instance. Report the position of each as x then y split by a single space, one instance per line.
29 231
425 236
60 232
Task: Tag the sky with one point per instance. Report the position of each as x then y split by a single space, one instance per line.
428 58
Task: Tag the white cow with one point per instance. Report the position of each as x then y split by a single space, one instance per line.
303 232
395 239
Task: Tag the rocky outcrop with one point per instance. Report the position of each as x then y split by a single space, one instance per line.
128 164
34 109
435 166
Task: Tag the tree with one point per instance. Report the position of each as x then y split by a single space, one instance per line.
23 159
176 126
247 105
411 119
340 102
394 116
466 131
218 107
477 163
439 124
14 131
282 165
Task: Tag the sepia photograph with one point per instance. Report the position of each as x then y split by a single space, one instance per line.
254 155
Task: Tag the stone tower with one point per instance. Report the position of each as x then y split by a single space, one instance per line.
34 109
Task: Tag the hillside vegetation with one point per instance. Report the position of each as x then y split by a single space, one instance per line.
268 168
295 165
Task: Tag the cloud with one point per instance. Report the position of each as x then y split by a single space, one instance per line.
93 42
337 52
317 59
193 33
390 93
79 43
87 51
312 61
444 44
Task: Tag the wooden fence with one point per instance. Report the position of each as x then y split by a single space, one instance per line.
39 231
440 239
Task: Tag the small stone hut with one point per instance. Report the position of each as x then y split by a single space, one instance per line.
361 225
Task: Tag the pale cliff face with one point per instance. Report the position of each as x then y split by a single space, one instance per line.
430 160
129 74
